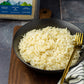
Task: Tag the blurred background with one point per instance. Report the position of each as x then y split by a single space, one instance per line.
68 10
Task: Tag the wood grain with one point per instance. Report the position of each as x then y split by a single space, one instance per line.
19 73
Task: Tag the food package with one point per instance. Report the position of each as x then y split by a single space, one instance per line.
19 9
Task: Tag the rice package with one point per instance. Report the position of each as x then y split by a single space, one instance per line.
19 9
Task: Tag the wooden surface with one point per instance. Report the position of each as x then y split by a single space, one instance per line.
19 73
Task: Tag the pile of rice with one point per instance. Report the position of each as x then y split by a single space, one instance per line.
49 48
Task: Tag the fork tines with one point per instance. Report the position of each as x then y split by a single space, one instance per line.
79 38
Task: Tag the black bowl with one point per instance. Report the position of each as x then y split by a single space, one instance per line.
38 24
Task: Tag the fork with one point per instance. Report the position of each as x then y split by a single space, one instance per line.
78 44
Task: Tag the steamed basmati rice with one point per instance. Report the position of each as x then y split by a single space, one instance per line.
49 48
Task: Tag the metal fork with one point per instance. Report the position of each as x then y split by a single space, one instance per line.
78 44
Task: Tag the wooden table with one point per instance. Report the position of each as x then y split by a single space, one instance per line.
19 73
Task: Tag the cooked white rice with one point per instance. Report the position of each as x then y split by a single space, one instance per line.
49 48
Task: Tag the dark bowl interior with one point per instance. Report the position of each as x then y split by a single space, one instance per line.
38 24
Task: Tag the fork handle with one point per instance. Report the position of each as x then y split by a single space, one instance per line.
67 67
